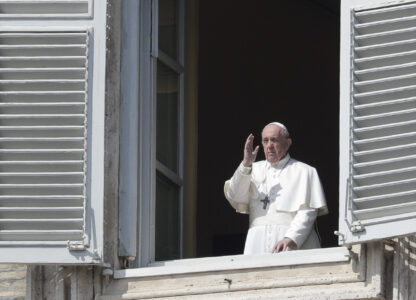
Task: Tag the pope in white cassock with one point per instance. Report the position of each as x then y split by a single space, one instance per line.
282 195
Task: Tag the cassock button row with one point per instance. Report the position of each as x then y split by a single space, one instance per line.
269 237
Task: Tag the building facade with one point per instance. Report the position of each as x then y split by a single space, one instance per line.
99 151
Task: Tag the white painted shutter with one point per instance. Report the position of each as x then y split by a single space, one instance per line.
51 141
381 198
42 135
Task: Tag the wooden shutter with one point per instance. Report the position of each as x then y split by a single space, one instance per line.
51 139
43 87
381 188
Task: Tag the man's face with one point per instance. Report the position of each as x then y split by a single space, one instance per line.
275 145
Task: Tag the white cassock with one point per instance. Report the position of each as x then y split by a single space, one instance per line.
295 198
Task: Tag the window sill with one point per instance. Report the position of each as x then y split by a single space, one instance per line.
237 262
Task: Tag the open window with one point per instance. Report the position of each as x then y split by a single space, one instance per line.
51 131
243 75
247 76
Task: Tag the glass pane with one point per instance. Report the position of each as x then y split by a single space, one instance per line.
168 34
167 117
167 219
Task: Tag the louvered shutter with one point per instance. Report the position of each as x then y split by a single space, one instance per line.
51 140
380 199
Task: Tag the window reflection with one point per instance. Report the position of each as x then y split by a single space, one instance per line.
167 117
167 219
168 27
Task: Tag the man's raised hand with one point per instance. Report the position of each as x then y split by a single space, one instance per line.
249 153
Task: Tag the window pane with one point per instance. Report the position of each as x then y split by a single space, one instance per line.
167 219
168 41
167 117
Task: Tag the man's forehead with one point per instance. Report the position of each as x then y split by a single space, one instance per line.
271 130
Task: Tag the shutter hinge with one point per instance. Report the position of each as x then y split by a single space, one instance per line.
340 235
356 226
76 246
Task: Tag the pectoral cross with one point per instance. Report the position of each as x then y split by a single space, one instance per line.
265 201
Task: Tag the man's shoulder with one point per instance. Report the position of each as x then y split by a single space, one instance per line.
294 163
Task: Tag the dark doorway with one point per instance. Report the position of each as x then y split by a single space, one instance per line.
263 61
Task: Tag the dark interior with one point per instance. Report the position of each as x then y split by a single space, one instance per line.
263 61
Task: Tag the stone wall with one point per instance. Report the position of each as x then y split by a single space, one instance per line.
13 282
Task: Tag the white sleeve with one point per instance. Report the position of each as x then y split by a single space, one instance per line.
237 189
301 225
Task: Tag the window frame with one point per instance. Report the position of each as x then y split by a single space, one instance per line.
137 202
177 66
145 189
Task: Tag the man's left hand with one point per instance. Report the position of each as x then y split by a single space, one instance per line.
283 244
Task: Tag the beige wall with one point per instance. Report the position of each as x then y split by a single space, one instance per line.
12 282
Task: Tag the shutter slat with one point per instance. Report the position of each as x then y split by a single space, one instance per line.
37 35
372 213
385 72
41 151
42 61
40 209
385 49
43 109
41 178
385 13
385 83
384 153
388 129
385 95
385 187
42 224
392 117
41 104
41 201
41 81
52 8
42 73
385 176
43 93
386 106
385 37
385 164
385 25
385 200
40 235
41 139
48 50
394 59
10 116
46 47
42 86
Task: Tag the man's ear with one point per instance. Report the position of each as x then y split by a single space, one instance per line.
289 143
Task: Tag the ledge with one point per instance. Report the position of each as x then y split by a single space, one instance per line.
237 262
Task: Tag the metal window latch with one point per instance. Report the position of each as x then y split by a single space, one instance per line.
356 226
340 235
